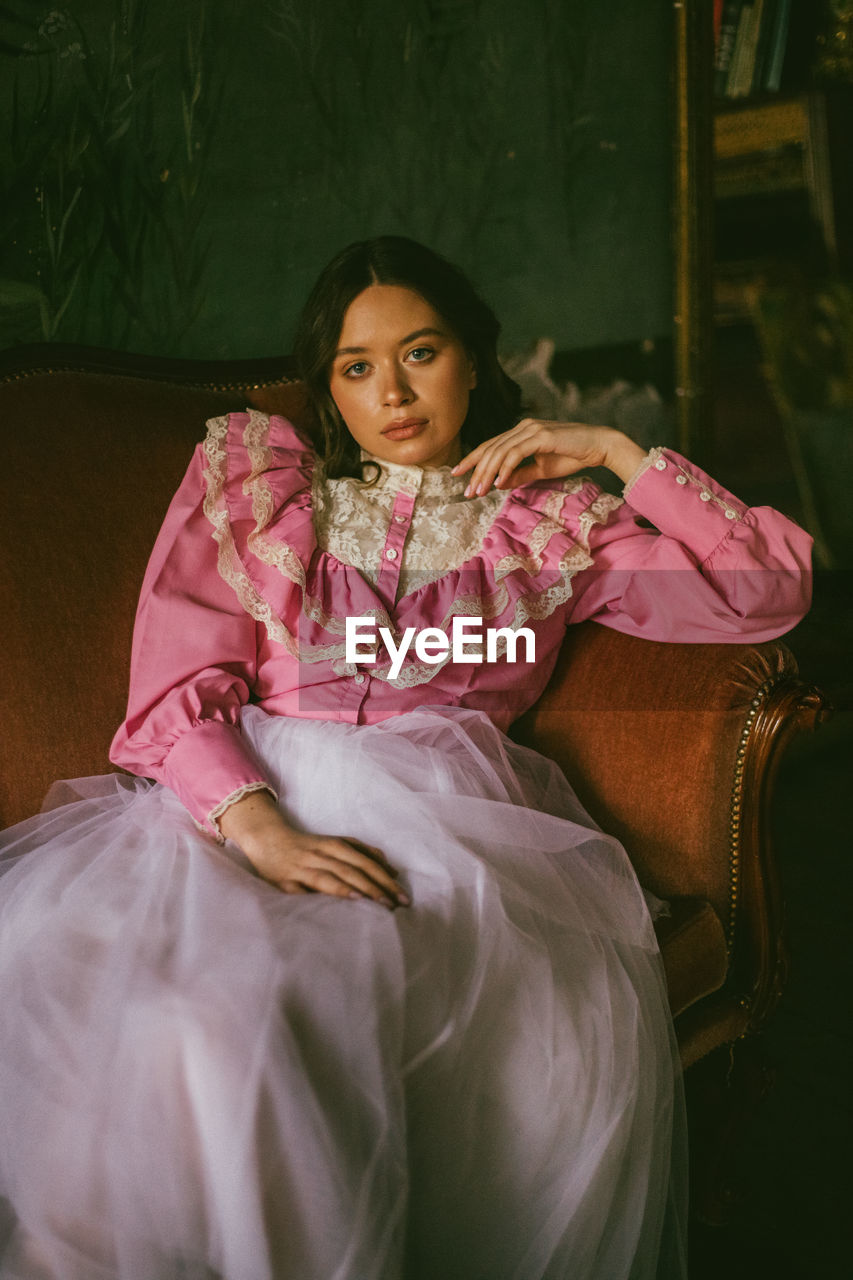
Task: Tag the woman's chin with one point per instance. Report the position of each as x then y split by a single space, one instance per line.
418 451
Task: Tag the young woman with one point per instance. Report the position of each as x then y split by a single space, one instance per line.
354 988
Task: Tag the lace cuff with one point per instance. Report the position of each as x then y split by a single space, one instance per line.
215 814
649 461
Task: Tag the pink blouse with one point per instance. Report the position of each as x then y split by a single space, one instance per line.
245 598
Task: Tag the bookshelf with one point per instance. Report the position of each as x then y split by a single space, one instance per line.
782 169
774 194
775 174
763 190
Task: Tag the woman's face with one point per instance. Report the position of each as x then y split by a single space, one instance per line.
401 379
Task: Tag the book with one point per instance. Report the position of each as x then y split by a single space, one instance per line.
760 176
763 127
778 44
739 81
725 44
765 40
735 69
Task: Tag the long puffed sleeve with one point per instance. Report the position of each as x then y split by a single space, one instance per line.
711 569
193 664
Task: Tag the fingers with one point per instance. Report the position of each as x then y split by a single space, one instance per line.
471 459
339 867
494 461
525 474
362 872
340 880
371 851
553 449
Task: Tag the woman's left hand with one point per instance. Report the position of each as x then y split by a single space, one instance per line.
553 448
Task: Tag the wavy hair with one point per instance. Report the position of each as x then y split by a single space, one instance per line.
495 402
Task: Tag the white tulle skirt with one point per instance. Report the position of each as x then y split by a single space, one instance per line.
203 1077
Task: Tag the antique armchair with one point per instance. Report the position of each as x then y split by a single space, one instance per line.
673 748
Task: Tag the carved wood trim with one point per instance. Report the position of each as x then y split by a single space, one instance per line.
780 710
18 363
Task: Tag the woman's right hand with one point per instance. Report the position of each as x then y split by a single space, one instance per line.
303 862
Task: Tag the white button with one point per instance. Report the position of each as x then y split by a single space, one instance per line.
661 464
390 554
730 515
681 479
400 519
705 495
360 678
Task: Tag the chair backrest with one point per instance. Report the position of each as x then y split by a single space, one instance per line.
91 458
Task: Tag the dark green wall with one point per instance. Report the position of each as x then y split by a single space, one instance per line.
174 175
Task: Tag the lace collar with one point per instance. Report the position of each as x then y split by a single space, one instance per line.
436 483
351 520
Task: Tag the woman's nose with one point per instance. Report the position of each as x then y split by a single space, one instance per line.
395 387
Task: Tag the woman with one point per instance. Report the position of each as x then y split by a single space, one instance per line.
361 991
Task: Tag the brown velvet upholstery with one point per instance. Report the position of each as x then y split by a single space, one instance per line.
671 747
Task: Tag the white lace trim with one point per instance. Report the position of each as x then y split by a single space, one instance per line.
352 518
277 554
218 810
649 461
599 511
540 535
228 562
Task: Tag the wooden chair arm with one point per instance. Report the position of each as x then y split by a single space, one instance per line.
758 954
674 749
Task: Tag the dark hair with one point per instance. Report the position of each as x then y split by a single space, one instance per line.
495 403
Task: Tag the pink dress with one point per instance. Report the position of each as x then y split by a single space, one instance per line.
202 1077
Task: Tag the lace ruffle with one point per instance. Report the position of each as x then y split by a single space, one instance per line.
446 531
348 522
228 564
531 606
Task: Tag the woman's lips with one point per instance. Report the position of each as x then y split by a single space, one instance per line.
405 429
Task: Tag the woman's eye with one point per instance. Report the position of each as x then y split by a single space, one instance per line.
421 354
356 370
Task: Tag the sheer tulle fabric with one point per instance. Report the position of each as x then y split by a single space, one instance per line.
203 1077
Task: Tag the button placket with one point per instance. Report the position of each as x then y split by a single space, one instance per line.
354 692
392 552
